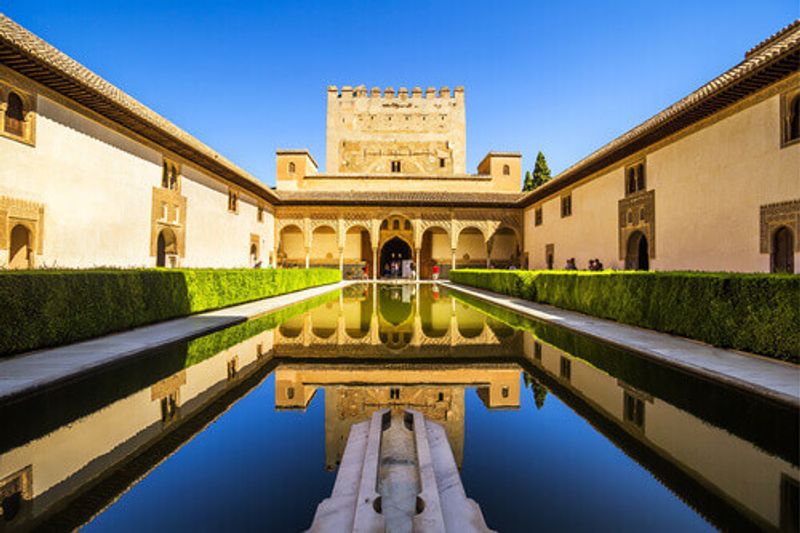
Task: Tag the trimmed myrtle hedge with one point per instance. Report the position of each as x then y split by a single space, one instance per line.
758 313
40 308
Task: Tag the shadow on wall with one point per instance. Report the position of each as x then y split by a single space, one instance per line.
106 135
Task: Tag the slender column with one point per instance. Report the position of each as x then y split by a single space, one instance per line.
418 264
308 257
453 265
375 263
341 261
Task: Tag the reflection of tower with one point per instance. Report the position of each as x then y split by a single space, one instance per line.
348 405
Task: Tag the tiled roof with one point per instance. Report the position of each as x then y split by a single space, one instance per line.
767 63
32 57
455 199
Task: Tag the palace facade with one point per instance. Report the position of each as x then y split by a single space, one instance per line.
91 177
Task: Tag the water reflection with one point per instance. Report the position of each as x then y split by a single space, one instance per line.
70 453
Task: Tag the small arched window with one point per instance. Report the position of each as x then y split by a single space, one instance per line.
506 170
396 224
15 115
794 118
407 225
385 224
292 167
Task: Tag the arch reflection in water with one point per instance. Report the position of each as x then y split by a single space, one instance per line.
728 457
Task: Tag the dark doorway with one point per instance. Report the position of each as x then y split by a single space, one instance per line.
165 245
783 251
638 255
394 251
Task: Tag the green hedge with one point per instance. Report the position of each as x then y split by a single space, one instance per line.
40 308
758 313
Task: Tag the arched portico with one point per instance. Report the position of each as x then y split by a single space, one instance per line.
434 250
440 235
394 251
504 248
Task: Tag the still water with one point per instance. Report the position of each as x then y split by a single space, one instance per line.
243 429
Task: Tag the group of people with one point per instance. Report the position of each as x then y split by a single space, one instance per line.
394 269
595 265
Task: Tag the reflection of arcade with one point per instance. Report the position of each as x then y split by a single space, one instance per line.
354 392
413 320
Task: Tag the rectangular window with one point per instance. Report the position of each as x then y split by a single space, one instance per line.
537 217
442 162
395 166
566 206
170 174
177 216
537 350
633 410
566 368
260 215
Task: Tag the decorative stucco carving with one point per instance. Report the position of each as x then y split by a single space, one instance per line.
773 216
637 212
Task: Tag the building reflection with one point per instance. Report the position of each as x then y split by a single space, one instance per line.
729 456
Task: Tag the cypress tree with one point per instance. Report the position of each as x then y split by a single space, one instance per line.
541 172
528 184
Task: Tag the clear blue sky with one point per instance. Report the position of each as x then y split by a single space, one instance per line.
247 78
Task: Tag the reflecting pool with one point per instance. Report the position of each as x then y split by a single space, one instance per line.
243 429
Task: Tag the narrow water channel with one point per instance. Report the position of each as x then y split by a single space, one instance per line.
243 429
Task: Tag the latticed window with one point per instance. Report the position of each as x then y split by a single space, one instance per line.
15 115
395 166
537 217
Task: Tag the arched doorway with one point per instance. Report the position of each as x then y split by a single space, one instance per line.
782 259
394 250
20 254
166 246
638 252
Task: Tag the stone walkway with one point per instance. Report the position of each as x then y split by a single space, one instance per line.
28 372
767 377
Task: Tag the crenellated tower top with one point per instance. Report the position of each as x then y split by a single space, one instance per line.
388 131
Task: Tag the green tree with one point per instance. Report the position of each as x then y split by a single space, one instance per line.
541 172
528 183
539 390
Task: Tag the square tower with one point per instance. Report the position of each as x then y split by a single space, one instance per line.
396 132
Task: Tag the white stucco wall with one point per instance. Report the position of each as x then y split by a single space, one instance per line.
96 186
709 186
